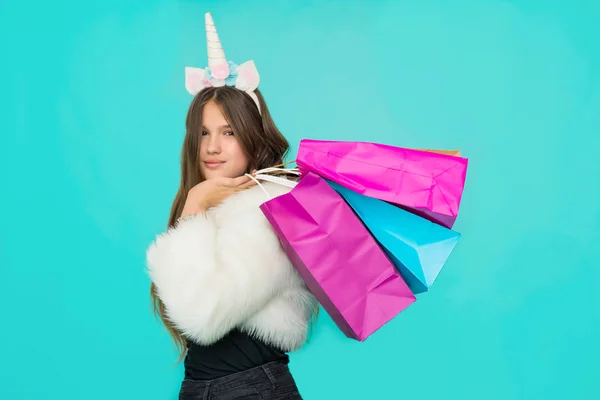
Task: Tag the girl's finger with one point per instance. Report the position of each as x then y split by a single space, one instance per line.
240 180
248 184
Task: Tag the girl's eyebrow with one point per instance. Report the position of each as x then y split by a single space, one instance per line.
220 127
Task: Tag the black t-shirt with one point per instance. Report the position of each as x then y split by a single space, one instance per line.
233 353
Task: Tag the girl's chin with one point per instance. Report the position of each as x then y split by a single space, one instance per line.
219 173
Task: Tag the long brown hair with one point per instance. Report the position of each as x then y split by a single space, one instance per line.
260 139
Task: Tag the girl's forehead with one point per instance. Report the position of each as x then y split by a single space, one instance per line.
212 113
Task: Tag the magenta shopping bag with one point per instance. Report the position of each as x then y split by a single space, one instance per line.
425 183
337 257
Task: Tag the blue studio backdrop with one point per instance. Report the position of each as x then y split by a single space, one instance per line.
91 124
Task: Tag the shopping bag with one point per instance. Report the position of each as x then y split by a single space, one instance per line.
418 247
339 260
426 183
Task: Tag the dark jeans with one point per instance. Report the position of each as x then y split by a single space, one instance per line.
272 381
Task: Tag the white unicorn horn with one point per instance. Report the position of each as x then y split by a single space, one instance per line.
216 55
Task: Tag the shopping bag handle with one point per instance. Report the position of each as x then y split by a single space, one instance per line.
263 175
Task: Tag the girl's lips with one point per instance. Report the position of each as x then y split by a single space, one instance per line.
213 164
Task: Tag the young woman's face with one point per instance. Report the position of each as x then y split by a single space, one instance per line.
221 154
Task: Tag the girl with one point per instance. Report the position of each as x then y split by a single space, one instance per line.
221 282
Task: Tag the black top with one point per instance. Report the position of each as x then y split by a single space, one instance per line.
234 353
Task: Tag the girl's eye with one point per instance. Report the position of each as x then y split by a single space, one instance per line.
203 133
229 133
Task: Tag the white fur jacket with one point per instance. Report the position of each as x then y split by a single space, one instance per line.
226 270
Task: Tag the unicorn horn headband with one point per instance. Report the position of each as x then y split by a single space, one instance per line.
220 71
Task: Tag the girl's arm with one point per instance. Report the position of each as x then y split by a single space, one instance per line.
213 276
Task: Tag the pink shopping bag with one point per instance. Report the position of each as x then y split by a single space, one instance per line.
337 257
426 183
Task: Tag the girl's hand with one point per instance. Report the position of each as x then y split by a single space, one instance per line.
212 192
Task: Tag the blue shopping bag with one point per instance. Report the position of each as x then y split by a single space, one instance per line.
418 247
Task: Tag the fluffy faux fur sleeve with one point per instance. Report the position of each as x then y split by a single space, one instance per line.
216 271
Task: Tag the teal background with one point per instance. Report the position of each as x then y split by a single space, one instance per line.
91 124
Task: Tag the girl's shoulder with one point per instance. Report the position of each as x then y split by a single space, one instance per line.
246 204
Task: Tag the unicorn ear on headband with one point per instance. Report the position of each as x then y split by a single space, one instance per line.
220 71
